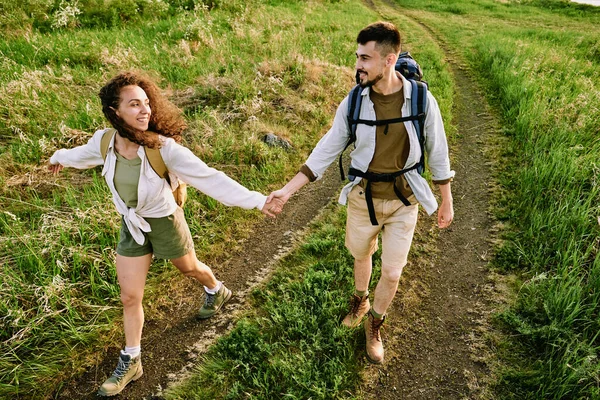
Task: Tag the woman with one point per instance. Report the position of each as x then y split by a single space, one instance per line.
152 223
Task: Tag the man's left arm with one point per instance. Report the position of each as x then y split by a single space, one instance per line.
438 160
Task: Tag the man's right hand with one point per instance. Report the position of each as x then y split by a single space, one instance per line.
280 195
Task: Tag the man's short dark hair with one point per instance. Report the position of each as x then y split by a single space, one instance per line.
385 35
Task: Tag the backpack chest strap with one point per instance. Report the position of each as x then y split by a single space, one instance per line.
384 177
380 122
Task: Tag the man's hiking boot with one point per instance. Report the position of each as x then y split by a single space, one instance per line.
359 306
374 344
128 369
214 302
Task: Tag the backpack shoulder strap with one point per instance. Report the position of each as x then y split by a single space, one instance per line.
418 106
105 141
354 103
157 163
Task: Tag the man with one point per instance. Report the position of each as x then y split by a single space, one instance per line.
381 151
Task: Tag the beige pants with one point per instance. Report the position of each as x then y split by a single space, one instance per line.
396 224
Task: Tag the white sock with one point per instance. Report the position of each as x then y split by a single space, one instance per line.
133 351
213 290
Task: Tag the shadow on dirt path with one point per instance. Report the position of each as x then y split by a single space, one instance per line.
172 344
434 335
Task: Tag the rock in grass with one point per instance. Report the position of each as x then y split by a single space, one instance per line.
273 140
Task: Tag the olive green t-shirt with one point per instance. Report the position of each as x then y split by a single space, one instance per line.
127 177
391 146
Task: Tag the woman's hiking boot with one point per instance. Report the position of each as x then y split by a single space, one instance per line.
214 302
374 345
359 306
128 369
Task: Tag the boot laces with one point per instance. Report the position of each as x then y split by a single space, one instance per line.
122 368
209 301
375 327
355 304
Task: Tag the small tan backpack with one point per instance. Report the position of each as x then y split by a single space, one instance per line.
156 162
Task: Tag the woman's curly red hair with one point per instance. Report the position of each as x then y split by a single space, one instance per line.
166 119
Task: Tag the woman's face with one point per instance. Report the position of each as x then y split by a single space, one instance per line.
134 107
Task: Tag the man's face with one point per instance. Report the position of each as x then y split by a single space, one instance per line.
369 64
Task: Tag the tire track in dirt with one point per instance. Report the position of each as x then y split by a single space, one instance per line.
435 333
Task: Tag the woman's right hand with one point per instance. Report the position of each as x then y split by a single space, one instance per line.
55 168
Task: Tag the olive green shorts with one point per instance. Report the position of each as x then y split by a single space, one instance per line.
169 238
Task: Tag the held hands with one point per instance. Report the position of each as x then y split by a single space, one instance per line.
275 202
272 207
277 199
445 214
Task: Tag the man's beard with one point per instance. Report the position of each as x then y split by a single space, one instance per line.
371 82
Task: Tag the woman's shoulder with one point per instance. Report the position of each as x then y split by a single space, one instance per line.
170 149
170 144
98 136
167 144
102 131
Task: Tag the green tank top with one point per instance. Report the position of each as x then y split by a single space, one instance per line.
127 177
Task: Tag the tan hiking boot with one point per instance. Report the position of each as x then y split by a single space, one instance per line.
214 302
128 369
374 344
359 306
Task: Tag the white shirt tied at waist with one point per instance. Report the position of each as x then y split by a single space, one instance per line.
135 224
155 198
334 142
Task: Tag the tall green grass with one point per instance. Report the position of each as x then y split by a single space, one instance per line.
539 63
555 195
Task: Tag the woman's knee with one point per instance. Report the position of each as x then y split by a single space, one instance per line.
189 268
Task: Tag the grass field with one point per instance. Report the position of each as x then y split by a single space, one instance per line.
538 62
233 67
240 70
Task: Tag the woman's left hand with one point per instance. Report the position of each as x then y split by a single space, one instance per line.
55 168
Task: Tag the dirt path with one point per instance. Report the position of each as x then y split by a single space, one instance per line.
435 332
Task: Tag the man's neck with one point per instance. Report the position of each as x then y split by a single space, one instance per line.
391 83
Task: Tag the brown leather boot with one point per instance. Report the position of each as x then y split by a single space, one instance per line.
374 344
359 306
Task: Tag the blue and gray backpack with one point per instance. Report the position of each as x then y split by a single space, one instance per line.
409 68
